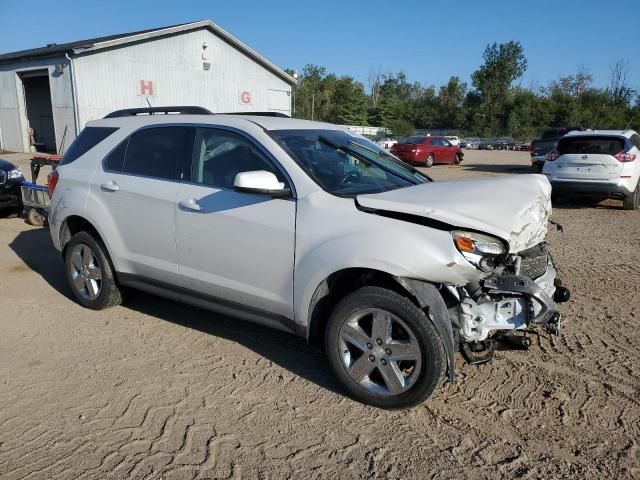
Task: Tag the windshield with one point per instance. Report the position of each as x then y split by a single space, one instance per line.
345 164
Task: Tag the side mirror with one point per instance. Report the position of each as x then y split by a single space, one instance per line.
260 182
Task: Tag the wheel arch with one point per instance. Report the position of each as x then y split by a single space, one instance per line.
340 283
74 224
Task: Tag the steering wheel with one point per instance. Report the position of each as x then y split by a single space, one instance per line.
349 177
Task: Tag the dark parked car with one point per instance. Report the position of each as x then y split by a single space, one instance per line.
548 139
10 179
426 150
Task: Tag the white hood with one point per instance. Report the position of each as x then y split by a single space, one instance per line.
515 208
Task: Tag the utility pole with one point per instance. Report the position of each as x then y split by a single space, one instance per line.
313 103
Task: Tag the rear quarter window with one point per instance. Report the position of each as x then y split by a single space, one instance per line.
591 145
88 138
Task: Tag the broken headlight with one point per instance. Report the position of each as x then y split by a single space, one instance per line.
482 251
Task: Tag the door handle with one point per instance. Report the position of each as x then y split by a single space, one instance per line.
190 204
110 186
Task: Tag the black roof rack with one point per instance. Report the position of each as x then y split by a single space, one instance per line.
185 110
259 114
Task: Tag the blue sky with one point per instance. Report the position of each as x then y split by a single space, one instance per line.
429 41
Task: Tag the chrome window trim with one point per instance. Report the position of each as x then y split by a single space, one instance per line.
238 131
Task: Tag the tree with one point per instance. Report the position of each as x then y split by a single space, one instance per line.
451 103
619 88
492 106
503 64
349 103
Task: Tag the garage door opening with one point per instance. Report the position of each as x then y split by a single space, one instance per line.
37 97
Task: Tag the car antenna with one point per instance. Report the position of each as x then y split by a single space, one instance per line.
149 103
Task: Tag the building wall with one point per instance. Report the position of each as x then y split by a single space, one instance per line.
169 71
13 119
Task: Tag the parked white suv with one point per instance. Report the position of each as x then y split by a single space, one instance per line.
310 229
601 163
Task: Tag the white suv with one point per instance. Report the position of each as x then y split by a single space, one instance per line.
601 163
308 228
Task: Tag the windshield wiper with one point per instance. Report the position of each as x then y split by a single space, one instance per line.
382 153
344 148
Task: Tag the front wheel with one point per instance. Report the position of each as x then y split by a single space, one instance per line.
632 202
384 349
429 161
458 159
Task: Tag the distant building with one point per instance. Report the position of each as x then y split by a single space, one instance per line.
56 89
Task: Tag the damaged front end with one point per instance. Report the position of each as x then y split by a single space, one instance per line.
520 293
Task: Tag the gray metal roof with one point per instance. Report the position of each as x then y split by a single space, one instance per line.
94 44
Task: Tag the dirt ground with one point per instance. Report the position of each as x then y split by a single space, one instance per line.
154 389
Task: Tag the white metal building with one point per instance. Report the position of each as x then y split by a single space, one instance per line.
56 89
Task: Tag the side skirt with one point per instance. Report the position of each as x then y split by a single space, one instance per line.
207 302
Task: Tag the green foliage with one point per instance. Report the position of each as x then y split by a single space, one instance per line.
493 106
401 127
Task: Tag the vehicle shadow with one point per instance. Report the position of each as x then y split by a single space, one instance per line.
292 353
35 249
569 203
497 168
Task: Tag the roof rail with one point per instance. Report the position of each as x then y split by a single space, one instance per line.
185 110
258 114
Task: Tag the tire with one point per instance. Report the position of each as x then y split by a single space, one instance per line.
458 159
429 161
351 343
632 202
90 272
35 217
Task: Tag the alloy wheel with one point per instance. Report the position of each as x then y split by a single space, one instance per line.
380 352
86 274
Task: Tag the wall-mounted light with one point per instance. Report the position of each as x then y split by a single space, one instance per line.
59 69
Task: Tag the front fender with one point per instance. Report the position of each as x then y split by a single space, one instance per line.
356 239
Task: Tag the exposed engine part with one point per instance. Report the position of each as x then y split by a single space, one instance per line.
478 352
561 295
553 325
507 303
521 342
479 320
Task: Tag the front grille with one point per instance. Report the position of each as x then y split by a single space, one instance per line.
3 177
534 261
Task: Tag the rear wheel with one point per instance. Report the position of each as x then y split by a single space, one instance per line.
429 161
90 274
384 349
632 202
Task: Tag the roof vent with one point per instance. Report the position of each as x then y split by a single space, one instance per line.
51 44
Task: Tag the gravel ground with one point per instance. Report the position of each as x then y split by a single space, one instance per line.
154 389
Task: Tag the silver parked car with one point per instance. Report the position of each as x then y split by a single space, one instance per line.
310 229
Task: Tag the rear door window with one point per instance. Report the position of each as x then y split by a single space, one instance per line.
88 138
158 152
590 145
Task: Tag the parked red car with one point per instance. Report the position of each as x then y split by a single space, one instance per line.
426 151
